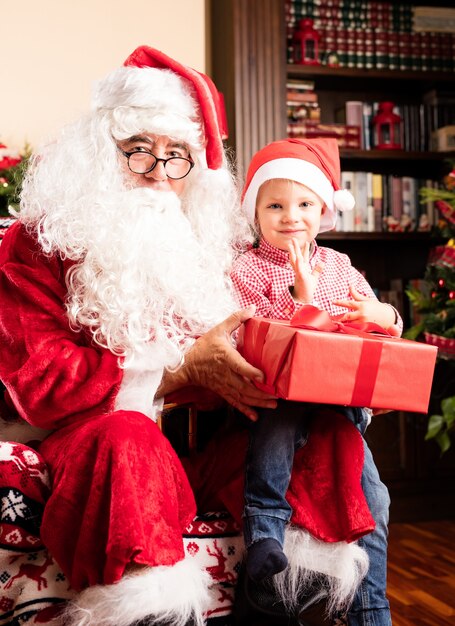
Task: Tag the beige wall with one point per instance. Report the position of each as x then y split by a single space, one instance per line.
52 50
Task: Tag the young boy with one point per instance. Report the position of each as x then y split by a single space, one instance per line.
291 194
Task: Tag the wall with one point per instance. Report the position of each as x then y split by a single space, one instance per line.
52 50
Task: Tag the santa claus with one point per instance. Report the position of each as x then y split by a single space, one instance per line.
114 296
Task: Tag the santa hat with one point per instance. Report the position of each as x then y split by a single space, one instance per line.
201 92
314 163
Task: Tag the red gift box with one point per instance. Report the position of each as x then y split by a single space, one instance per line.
342 364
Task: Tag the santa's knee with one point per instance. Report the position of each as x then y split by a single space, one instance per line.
113 434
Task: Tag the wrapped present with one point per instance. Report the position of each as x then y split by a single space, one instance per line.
316 358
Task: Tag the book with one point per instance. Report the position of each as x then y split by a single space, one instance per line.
434 19
409 200
396 197
377 201
370 206
301 85
354 116
385 197
347 182
301 96
360 192
367 117
424 136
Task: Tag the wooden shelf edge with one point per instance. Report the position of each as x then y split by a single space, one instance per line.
396 155
294 70
380 236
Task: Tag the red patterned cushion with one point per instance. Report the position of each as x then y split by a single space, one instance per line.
32 586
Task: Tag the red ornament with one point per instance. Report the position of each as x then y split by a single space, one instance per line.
441 282
8 158
446 209
387 128
306 43
451 295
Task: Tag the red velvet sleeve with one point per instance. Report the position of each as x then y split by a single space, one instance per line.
53 374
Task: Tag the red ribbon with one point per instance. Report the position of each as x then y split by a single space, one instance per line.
311 318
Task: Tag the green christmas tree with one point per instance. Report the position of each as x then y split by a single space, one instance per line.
12 170
435 303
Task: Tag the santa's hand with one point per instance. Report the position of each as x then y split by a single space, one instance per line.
365 309
214 363
306 279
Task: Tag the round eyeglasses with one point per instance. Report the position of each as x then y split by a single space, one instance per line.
143 162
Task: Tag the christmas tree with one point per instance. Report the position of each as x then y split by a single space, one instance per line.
12 169
435 302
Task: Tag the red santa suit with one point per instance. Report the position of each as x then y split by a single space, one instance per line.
59 381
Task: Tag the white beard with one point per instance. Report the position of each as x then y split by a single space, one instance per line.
146 285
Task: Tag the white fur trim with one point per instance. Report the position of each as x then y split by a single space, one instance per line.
337 567
172 595
142 376
301 172
343 200
145 87
137 392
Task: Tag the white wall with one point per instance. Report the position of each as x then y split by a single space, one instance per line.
52 50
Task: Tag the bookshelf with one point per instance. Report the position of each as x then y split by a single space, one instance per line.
248 62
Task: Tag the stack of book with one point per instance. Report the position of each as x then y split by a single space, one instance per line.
420 121
379 35
304 116
386 203
348 137
302 102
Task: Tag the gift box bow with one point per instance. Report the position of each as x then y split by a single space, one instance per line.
312 318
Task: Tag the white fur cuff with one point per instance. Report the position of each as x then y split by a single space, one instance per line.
172 594
338 568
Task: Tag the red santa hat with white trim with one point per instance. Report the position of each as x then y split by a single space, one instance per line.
186 96
314 163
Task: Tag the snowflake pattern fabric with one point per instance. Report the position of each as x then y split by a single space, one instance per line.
32 585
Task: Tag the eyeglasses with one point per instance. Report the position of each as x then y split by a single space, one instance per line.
143 162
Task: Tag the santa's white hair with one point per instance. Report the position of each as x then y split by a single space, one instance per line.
151 269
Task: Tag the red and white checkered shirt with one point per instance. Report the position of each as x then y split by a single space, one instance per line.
263 275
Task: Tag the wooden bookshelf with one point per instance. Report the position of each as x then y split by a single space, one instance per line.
428 79
248 64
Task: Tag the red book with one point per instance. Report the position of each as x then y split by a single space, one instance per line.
293 95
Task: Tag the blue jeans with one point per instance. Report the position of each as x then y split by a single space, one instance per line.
274 438
370 606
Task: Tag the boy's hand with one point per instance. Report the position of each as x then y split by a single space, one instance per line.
306 280
365 309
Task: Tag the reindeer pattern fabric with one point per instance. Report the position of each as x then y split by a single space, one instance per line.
33 587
